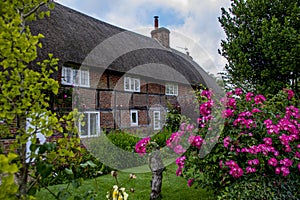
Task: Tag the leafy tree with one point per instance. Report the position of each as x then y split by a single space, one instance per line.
25 90
262 45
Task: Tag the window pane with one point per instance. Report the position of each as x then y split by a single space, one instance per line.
67 75
137 85
126 83
84 79
93 124
167 89
85 127
133 117
175 89
131 84
75 77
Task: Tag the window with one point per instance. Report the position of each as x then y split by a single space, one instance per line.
134 118
131 84
75 77
171 89
156 120
91 127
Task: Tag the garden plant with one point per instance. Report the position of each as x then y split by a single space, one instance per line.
256 155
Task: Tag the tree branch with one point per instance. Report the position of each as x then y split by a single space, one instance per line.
33 10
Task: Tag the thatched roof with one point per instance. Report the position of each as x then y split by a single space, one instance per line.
77 38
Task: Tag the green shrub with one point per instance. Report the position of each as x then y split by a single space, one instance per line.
123 140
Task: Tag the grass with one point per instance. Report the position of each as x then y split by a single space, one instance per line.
173 187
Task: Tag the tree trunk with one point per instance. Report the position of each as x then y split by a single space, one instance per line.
157 168
23 175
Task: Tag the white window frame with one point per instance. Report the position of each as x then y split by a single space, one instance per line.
137 118
76 77
89 125
156 121
171 89
132 84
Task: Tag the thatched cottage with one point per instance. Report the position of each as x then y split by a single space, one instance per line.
120 79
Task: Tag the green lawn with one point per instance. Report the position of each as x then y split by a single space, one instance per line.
174 187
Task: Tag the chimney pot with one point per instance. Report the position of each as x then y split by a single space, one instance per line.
155 22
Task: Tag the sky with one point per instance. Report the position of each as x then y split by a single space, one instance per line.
193 23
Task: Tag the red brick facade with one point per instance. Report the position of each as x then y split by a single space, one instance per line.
108 96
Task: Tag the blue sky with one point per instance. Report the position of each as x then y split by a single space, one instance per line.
193 23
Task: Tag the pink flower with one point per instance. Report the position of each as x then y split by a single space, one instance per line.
231 102
285 171
226 141
297 154
231 164
190 127
286 162
238 91
205 108
277 170
250 170
256 110
179 149
276 153
268 141
284 139
65 96
249 96
229 94
174 139
140 147
180 163
290 94
268 122
298 166
227 113
272 162
287 148
273 129
259 99
190 182
195 141
236 172
206 93
253 162
221 164
178 171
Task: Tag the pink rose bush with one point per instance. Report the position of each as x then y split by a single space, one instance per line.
258 146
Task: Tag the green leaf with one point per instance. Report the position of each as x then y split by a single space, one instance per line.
69 171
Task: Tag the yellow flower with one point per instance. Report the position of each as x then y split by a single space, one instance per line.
120 197
115 192
125 195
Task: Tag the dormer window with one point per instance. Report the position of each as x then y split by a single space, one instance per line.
76 77
172 89
132 84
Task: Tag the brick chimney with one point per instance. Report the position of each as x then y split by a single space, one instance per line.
161 34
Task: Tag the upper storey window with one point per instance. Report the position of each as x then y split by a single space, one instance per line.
172 89
132 84
77 77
